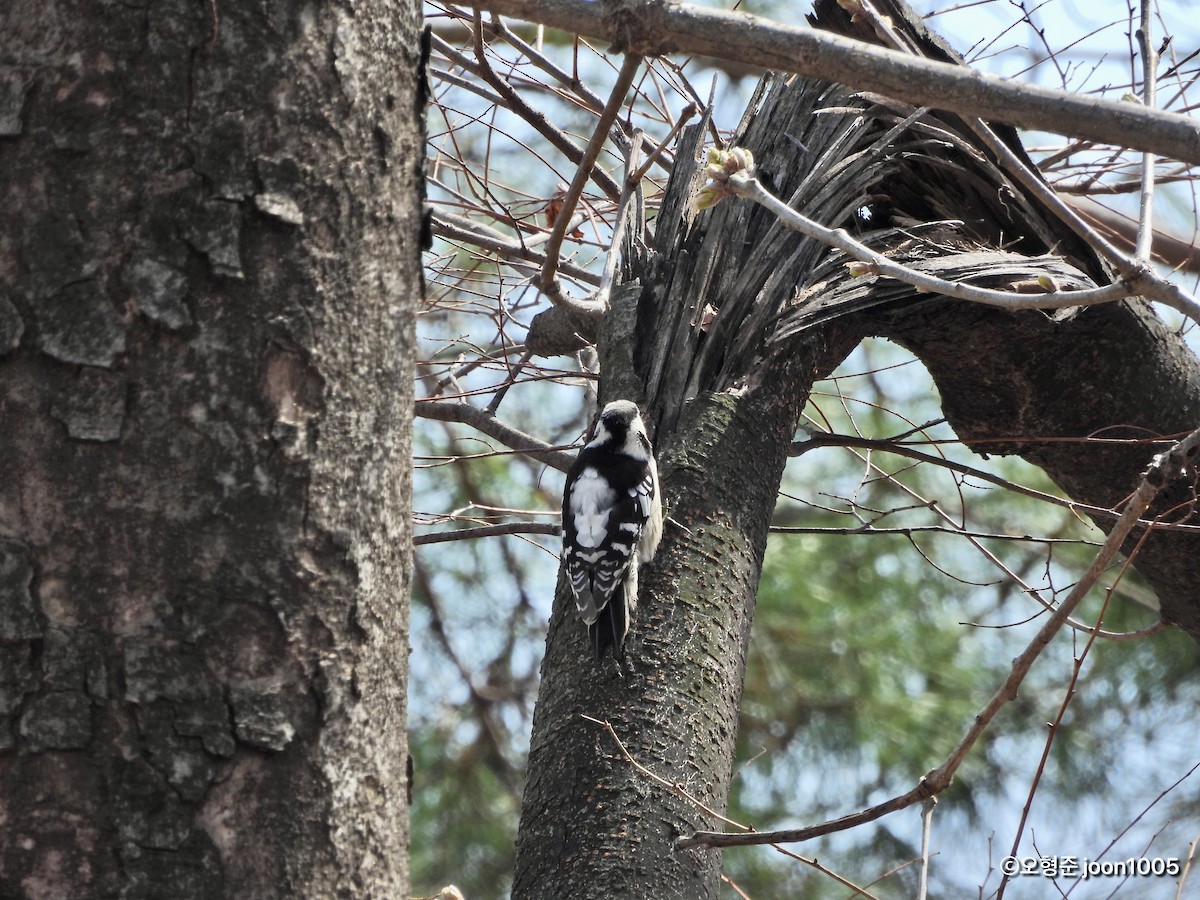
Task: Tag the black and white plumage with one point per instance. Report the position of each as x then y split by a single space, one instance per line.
612 523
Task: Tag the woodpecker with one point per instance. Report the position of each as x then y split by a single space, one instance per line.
612 523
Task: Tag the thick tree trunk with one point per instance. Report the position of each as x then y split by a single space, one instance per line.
208 273
724 406
591 825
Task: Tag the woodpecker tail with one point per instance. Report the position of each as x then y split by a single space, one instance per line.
610 627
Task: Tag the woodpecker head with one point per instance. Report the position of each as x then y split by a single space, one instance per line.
620 428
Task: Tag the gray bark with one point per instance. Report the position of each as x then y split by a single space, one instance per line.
208 274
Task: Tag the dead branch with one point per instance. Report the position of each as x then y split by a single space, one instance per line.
465 534
657 29
465 413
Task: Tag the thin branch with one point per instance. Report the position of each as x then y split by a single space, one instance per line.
1187 866
464 413
502 391
1162 795
678 789
590 100
909 530
673 786
465 534
926 831
974 540
514 102
890 445
829 439
456 228
656 154
655 29
1149 98
547 65
1163 469
1052 733
549 277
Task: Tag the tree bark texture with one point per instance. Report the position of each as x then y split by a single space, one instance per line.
736 319
208 276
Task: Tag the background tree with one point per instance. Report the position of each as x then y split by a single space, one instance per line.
736 318
208 275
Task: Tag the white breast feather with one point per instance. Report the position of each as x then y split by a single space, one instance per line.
591 502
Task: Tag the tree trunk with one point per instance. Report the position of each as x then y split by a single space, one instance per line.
207 286
724 406
737 318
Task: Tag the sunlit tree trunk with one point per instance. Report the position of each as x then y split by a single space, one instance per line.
208 270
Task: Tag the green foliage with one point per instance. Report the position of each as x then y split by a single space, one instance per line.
463 817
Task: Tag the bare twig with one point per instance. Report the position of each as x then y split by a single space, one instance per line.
1052 733
909 530
1163 794
454 411
828 439
926 831
459 228
1149 98
464 534
514 102
678 789
1164 469
1187 867
657 153
952 527
548 279
1172 251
